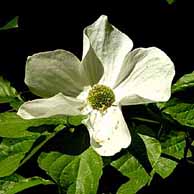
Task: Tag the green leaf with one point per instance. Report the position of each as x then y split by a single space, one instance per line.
153 148
181 107
173 146
145 147
11 24
12 151
74 174
75 120
180 110
185 82
16 183
8 94
170 2
47 137
129 166
164 167
11 125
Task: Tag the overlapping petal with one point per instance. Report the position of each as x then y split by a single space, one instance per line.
48 73
47 107
149 80
91 67
108 131
110 46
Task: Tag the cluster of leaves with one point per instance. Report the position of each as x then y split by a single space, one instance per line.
161 137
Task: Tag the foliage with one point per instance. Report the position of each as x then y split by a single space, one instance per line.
157 147
13 23
170 2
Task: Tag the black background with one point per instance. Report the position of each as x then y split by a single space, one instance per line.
147 23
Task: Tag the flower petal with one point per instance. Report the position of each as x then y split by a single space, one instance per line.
49 73
150 79
110 46
56 105
91 66
108 131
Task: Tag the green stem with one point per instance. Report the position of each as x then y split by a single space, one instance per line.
145 120
160 131
57 129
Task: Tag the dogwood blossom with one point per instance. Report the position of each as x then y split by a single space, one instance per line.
109 76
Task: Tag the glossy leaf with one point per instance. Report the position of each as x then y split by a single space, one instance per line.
170 2
173 146
11 24
164 167
187 81
180 110
129 166
47 137
153 148
8 94
13 126
12 151
16 183
74 174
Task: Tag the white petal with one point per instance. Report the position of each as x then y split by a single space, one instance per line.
150 79
49 73
110 46
108 131
91 67
56 105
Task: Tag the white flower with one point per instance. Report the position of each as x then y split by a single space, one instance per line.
72 87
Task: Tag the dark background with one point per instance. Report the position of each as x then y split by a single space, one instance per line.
147 23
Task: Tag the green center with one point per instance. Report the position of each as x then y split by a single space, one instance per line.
101 97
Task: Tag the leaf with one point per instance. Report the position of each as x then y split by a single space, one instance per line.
185 82
75 120
181 107
8 94
12 126
173 146
146 152
129 166
16 183
164 167
180 110
153 148
74 174
12 151
11 24
170 2
47 136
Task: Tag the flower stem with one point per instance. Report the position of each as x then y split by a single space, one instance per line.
145 120
48 137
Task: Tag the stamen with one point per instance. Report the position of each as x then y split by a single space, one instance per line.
101 97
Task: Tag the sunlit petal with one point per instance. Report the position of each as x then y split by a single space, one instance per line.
108 131
150 79
110 46
48 73
56 105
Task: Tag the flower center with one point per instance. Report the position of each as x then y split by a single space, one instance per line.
101 97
